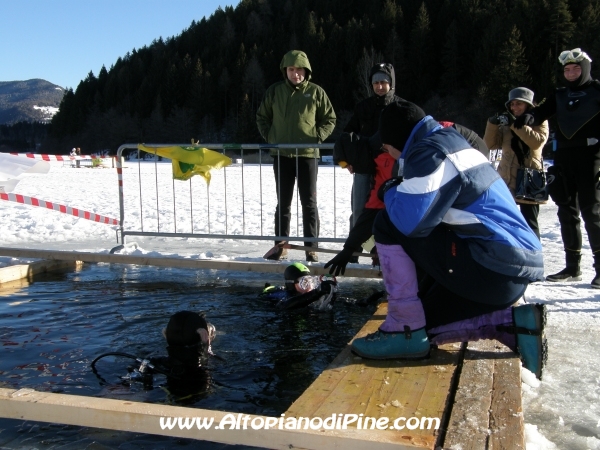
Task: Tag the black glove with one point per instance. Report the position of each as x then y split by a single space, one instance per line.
339 261
375 144
339 148
528 119
328 285
504 118
387 185
374 257
524 119
495 119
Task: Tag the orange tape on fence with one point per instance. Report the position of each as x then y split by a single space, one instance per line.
54 157
60 208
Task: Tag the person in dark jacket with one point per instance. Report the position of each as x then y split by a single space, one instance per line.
576 108
452 219
364 122
296 111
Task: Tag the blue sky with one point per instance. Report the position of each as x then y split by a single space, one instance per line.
62 40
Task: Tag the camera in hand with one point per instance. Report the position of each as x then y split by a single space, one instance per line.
503 119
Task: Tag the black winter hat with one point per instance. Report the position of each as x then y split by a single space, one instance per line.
397 121
384 69
182 328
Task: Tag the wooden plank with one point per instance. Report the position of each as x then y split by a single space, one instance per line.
27 271
27 404
469 421
392 389
241 266
487 410
506 415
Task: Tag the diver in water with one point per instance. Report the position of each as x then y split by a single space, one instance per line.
189 337
302 289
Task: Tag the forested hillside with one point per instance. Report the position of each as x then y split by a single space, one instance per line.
456 58
26 101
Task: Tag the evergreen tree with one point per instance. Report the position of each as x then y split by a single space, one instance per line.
197 92
394 54
364 65
246 131
254 83
420 57
180 126
511 69
545 86
587 36
224 83
451 62
561 25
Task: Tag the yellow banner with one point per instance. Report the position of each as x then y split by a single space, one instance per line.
190 161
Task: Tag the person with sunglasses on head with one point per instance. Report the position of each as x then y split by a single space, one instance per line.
576 169
521 147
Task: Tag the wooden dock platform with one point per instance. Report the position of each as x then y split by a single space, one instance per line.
472 393
25 272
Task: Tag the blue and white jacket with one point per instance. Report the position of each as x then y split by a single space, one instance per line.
448 182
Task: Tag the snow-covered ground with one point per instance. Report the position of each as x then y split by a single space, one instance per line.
563 411
48 111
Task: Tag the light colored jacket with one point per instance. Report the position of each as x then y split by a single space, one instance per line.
500 136
294 114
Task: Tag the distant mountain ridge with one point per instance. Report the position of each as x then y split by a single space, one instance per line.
30 100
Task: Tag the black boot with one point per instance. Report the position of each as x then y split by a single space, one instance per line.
572 271
596 280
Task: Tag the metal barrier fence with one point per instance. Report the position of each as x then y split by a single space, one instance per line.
239 203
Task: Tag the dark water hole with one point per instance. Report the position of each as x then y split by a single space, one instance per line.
51 330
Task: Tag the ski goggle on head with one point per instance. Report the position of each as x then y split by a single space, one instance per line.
573 56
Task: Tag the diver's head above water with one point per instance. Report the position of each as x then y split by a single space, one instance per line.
189 330
293 273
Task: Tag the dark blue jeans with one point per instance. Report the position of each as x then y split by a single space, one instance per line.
305 170
452 286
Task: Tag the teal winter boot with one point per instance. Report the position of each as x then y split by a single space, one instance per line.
402 334
529 323
398 345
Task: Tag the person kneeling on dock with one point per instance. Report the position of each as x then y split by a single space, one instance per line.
302 289
454 250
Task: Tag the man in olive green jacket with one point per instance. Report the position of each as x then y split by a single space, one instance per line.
296 111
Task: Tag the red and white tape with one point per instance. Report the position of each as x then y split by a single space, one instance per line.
60 208
54 157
